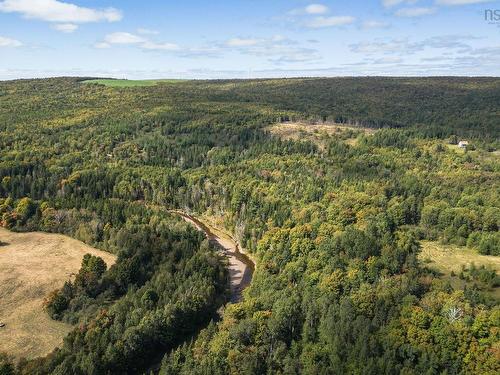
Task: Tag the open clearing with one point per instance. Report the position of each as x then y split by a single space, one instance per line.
447 258
317 133
31 266
130 83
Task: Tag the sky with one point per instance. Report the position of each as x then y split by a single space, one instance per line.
143 39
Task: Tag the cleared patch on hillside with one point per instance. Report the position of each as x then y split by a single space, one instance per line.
448 258
129 82
318 133
31 266
454 264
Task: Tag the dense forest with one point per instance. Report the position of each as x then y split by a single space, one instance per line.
336 227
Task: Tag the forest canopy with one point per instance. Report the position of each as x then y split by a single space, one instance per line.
335 226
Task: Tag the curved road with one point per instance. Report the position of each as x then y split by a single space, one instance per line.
241 267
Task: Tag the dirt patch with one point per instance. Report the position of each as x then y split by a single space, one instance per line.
31 266
318 133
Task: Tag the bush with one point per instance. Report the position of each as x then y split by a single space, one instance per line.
490 244
474 239
6 366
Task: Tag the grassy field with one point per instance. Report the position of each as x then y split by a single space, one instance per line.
31 266
130 83
446 258
448 261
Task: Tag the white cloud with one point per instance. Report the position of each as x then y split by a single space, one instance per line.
311 9
414 12
276 49
314 16
125 38
387 60
384 47
102 45
316 9
392 3
239 42
458 67
374 25
65 27
59 11
461 2
8 42
278 38
159 46
449 43
147 31
320 22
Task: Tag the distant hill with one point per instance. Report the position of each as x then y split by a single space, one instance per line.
439 106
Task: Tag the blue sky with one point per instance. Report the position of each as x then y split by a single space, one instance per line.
247 38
